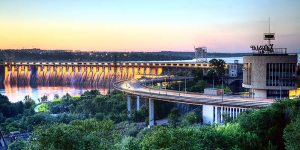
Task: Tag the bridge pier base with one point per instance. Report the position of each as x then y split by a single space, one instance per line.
208 114
129 104
151 112
137 102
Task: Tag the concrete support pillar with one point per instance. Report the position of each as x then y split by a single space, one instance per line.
129 104
216 114
227 111
151 112
222 108
137 102
208 114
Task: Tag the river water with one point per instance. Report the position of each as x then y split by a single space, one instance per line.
17 93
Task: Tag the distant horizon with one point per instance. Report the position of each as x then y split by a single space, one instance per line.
121 51
221 26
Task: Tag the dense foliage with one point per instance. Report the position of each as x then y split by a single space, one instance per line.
106 126
77 135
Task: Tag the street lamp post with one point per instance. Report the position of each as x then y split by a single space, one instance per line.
179 88
185 81
222 88
166 85
214 80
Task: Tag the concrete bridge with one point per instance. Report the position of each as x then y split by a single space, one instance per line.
86 72
213 106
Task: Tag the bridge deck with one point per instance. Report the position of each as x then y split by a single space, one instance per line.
138 64
136 87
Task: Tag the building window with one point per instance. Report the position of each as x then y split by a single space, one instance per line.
281 74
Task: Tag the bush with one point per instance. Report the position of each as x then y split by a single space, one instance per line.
132 131
191 118
292 135
18 145
173 117
99 116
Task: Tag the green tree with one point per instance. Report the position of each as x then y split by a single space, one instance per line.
218 65
191 118
99 116
44 98
18 145
237 137
71 108
193 138
78 135
291 135
268 123
197 74
28 102
298 82
173 117
226 118
225 87
56 96
199 87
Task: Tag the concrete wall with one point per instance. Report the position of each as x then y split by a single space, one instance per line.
208 113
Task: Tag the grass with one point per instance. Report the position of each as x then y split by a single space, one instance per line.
43 107
58 100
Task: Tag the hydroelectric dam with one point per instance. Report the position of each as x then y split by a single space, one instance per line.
88 73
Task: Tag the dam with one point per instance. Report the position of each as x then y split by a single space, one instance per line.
87 73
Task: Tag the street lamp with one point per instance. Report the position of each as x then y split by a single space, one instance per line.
179 88
222 88
166 85
214 80
185 81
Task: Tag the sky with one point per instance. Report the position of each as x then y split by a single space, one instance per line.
144 25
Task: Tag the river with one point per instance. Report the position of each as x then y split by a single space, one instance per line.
17 93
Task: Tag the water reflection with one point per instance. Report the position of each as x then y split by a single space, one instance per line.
18 92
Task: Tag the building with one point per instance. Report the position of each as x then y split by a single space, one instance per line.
235 69
269 72
201 54
270 75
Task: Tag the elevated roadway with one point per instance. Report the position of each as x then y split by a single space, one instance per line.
137 87
214 107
